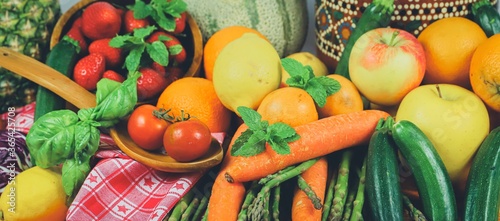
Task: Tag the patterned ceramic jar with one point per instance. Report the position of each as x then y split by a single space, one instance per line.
335 20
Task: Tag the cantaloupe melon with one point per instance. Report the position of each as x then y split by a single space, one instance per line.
283 22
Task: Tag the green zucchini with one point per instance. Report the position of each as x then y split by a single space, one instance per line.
486 16
376 15
62 57
482 190
383 190
431 177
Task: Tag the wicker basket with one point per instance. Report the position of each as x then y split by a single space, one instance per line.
335 20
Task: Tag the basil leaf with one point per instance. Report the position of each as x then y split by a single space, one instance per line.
120 101
87 138
104 88
51 138
73 175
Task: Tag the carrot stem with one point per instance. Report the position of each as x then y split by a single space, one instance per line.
304 186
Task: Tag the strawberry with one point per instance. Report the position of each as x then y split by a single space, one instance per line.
112 55
113 75
100 20
173 73
89 70
180 24
174 46
76 34
159 68
150 83
130 22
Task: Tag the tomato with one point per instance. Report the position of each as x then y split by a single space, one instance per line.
186 141
146 126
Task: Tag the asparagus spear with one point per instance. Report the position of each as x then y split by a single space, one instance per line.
201 207
259 202
191 208
250 195
304 186
360 195
414 213
271 176
340 194
329 194
181 206
351 195
276 203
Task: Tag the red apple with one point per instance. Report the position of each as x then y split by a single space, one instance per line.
385 64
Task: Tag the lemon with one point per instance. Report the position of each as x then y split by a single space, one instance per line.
246 70
34 194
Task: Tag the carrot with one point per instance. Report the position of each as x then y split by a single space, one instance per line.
226 198
317 139
302 207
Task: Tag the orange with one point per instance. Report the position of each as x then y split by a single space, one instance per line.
196 97
346 100
449 44
218 41
485 72
289 105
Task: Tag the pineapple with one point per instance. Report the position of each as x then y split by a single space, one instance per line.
25 26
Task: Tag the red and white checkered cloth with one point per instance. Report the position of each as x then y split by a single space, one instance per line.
120 188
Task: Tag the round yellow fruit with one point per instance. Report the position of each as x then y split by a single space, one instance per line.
245 71
454 119
305 58
35 194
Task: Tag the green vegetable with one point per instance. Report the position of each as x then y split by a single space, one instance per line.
359 201
482 193
341 186
329 193
162 12
486 15
253 140
413 212
432 180
139 51
62 58
376 15
304 186
383 191
69 138
319 87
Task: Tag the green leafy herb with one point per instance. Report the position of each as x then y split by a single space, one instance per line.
253 141
69 138
161 11
319 87
139 51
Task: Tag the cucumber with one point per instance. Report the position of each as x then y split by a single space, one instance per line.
482 190
431 177
62 57
383 190
376 15
486 16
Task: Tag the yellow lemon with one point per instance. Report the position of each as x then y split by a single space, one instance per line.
34 194
246 70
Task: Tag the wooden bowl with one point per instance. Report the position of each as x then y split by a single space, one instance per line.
191 38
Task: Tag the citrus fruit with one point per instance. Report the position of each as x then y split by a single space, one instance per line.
246 70
449 44
346 100
35 194
289 105
306 58
485 72
196 96
218 41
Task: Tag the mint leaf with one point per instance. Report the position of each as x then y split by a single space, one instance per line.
175 8
158 52
251 118
141 9
253 141
133 59
119 41
141 33
318 87
175 49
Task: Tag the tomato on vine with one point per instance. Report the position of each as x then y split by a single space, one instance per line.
147 125
187 139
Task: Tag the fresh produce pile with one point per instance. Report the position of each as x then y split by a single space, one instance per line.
304 144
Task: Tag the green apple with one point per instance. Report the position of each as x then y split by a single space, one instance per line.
453 118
